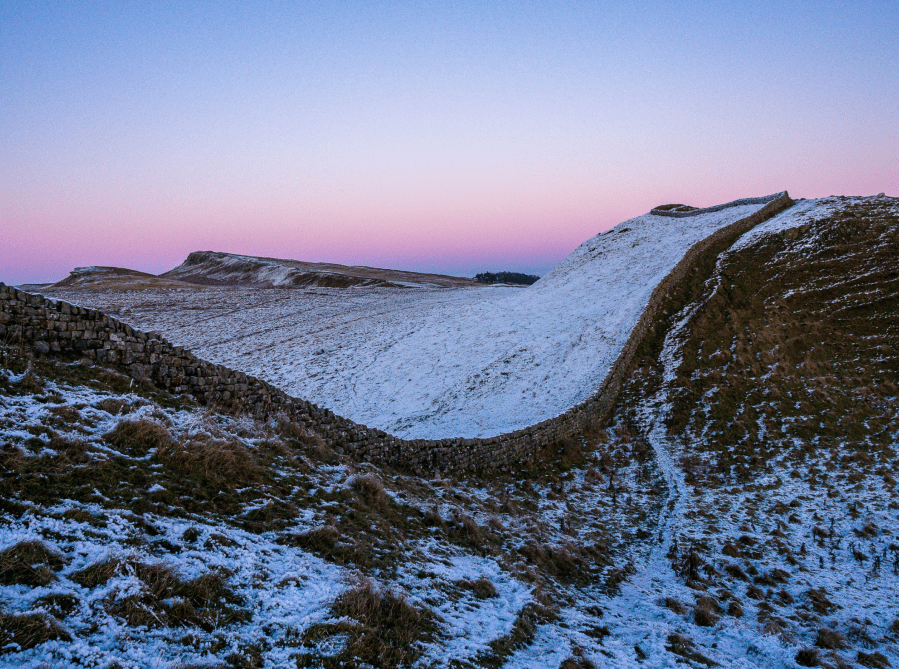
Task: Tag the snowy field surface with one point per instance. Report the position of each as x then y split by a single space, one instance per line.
439 362
654 550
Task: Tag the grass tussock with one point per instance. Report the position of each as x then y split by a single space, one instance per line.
808 657
216 461
98 573
830 639
328 543
302 438
875 660
370 489
568 562
12 459
139 437
57 604
30 563
165 599
482 588
31 383
382 629
29 630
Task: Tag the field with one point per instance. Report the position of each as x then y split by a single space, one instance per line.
737 509
433 362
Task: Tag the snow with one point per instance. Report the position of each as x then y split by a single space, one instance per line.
498 360
285 589
447 362
355 340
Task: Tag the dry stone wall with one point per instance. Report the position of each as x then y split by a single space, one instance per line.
58 328
718 207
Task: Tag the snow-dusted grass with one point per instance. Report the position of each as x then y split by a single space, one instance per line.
739 510
780 535
87 471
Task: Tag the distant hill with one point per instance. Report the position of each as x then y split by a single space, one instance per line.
507 277
116 278
226 269
209 268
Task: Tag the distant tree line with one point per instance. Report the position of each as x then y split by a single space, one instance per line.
506 277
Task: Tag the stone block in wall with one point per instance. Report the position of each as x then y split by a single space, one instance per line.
140 371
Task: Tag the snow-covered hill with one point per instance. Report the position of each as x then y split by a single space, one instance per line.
738 509
485 363
433 363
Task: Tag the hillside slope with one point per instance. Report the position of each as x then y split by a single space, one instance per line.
770 405
444 363
140 530
738 509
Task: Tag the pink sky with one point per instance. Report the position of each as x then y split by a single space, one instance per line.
456 140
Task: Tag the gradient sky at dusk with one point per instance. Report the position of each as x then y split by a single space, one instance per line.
449 137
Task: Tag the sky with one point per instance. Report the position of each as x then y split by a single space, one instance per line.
445 137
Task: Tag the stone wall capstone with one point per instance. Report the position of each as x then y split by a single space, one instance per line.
58 328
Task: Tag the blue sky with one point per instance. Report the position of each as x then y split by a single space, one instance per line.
464 138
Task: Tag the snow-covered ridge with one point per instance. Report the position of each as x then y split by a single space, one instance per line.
467 363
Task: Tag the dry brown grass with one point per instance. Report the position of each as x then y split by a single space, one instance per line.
875 660
482 588
11 458
166 599
328 543
705 617
370 489
830 639
568 562
98 573
734 609
29 563
810 317
808 657
139 437
31 383
58 604
819 602
310 443
29 630
383 629
218 461
674 605
686 648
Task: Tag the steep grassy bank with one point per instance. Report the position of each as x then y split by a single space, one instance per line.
777 392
